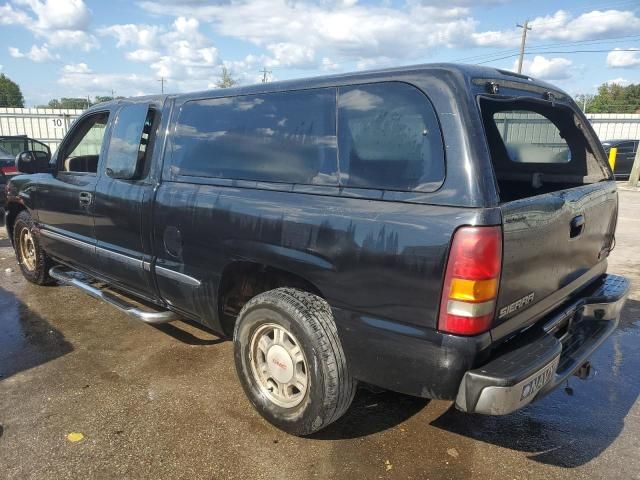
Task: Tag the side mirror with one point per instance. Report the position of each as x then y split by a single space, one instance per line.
33 162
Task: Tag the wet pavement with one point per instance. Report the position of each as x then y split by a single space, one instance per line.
164 402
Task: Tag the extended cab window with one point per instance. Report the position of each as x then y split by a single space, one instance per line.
82 152
126 156
278 137
389 138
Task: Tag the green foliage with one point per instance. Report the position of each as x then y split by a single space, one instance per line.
65 102
614 98
10 93
226 80
101 99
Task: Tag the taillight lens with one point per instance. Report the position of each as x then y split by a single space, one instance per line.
471 281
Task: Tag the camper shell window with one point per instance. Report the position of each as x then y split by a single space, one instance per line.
538 147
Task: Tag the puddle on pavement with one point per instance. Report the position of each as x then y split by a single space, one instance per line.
26 339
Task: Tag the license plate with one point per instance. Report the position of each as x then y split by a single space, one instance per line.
534 385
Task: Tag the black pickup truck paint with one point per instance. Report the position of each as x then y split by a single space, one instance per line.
193 244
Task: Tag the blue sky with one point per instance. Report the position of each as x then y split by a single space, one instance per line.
56 48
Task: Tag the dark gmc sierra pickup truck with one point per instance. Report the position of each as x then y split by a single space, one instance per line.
437 230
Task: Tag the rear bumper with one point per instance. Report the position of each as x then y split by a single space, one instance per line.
537 362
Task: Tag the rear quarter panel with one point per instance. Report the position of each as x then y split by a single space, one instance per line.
384 259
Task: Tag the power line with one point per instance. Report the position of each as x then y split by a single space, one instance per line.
564 52
547 45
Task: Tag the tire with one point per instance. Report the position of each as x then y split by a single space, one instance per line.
35 267
307 321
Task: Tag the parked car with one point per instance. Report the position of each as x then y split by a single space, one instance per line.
379 227
624 157
7 167
14 144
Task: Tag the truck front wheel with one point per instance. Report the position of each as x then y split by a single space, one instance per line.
290 361
34 262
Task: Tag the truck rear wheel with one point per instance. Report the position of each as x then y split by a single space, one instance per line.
290 361
34 262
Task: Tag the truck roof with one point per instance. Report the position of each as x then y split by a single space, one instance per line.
465 72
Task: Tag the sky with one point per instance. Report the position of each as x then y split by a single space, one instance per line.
75 48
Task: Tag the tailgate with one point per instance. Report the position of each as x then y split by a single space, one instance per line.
552 241
558 202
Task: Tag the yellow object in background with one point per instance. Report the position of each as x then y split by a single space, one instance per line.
612 157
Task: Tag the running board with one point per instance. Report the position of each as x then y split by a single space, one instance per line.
152 317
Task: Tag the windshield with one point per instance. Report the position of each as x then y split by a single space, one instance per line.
4 155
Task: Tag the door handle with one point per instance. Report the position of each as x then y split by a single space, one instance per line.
577 226
85 199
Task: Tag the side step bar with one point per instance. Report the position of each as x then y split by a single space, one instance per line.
152 317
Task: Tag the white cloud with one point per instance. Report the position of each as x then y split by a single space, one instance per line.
342 30
144 36
623 82
60 14
12 16
562 25
546 68
76 68
143 55
35 54
328 64
63 23
286 54
83 81
180 53
73 39
619 59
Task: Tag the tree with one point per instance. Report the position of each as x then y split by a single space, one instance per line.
226 80
66 102
614 98
584 101
10 93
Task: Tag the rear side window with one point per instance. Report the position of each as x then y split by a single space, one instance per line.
389 138
279 137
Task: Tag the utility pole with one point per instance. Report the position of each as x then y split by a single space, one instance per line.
524 28
265 74
161 85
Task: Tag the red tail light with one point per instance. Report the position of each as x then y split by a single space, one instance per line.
471 281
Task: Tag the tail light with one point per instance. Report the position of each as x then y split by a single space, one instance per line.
471 281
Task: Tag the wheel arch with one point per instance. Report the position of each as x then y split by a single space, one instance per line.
242 280
13 210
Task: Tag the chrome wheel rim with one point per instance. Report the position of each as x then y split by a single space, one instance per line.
27 249
279 365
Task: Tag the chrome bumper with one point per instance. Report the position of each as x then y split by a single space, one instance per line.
533 366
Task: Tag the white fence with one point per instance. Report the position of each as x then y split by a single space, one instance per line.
50 125
613 126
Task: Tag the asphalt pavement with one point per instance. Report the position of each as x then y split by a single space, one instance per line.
87 392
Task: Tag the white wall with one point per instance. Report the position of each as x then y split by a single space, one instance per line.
613 126
45 124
